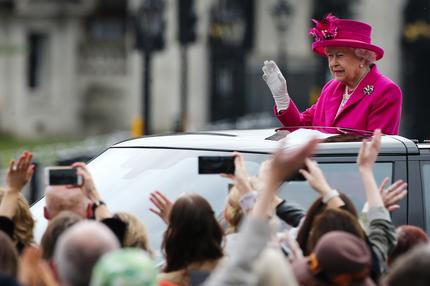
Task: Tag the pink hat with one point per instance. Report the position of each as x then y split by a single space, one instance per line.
334 32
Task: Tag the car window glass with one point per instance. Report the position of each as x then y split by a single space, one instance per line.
426 190
343 177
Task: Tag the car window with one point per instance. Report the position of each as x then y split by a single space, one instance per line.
425 175
126 176
343 177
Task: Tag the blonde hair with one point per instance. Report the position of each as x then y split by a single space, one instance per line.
233 212
23 221
136 235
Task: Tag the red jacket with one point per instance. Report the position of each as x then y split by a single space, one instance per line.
375 103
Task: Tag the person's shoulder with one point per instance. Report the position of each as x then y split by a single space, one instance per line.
385 85
384 80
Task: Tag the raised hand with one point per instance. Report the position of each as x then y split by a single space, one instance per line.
315 177
277 84
365 160
240 176
162 204
284 164
90 191
369 151
88 187
19 172
393 194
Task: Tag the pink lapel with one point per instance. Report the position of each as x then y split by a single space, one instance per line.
359 93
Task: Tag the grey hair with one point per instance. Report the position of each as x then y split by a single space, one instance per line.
368 56
78 250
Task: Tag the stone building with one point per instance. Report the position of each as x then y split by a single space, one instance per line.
70 67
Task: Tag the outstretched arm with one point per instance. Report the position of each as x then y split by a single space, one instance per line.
366 160
101 210
18 175
315 177
283 165
381 232
277 85
238 270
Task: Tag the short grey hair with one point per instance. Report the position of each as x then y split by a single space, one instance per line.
78 250
367 55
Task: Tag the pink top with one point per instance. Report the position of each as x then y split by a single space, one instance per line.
375 103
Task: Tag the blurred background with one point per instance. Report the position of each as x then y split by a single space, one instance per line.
79 75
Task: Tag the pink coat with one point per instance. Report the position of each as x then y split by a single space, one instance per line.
366 109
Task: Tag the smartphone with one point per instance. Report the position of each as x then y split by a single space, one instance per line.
62 176
216 164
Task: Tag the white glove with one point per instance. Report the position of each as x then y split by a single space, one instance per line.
277 84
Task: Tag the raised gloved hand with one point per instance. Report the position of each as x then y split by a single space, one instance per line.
277 84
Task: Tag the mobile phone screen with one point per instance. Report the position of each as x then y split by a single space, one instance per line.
216 164
66 176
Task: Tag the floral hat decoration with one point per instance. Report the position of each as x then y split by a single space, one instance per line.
334 32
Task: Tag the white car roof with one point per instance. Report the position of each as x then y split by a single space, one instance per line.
256 141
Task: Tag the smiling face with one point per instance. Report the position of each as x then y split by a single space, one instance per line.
344 65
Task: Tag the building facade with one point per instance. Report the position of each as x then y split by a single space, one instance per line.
70 68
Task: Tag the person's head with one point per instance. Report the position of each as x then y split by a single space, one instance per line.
315 209
233 213
79 248
56 227
8 256
62 198
408 237
193 233
331 220
132 267
339 259
351 39
24 222
348 65
136 235
412 268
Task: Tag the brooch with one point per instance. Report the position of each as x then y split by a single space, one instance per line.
368 89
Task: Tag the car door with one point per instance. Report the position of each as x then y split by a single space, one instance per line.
419 189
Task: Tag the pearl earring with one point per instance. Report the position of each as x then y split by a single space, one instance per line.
361 65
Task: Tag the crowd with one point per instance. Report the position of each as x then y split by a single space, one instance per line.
331 243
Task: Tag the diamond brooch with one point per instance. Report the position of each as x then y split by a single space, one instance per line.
368 89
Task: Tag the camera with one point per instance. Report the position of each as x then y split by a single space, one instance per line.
62 176
216 164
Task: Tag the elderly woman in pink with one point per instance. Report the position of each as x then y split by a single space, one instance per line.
358 96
